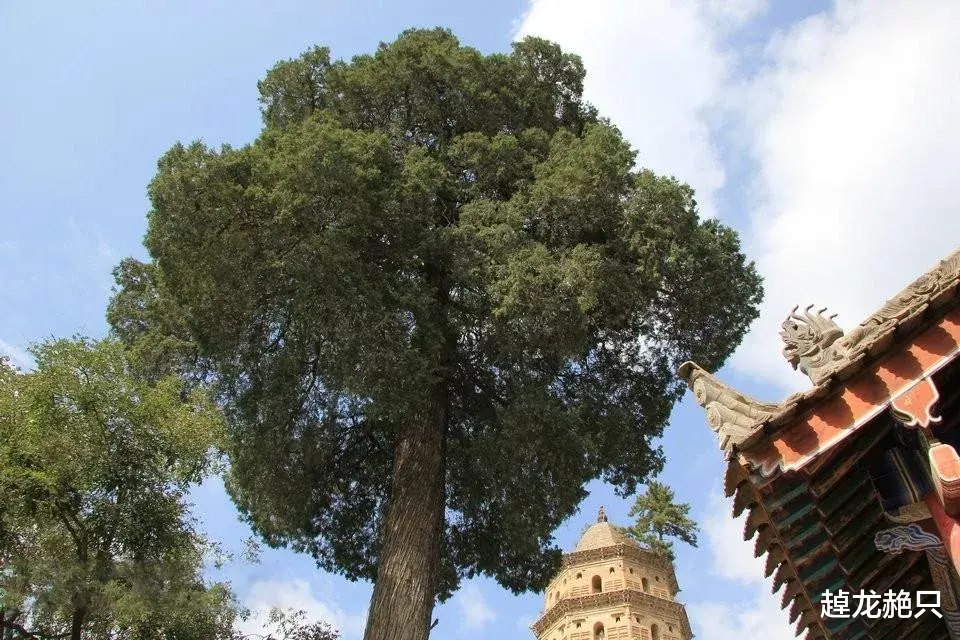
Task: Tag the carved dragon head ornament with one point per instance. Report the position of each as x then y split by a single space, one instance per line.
808 338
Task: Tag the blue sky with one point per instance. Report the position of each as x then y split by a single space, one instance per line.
825 133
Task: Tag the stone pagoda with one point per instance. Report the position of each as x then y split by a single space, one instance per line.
611 588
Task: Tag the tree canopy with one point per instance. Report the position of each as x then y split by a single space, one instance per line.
436 298
659 518
95 538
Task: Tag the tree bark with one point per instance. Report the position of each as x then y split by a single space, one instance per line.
76 624
405 590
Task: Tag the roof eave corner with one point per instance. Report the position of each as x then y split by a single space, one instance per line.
733 416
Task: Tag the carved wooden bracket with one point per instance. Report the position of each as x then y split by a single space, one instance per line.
915 407
941 563
913 537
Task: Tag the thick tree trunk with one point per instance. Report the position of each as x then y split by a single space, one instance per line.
405 590
76 624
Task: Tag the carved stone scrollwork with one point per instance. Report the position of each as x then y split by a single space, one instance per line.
817 345
732 415
921 291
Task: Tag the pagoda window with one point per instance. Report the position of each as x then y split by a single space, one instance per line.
654 632
596 584
645 583
598 631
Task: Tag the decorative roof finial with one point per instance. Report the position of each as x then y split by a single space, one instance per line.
601 515
812 342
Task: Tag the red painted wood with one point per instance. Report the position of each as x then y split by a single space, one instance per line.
915 407
945 473
861 400
948 527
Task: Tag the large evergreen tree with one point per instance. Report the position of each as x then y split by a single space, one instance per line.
436 300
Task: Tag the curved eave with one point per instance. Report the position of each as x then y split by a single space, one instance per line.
745 426
816 531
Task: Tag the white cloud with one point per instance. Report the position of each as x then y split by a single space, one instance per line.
475 613
854 127
296 595
852 124
17 356
657 69
759 618
732 558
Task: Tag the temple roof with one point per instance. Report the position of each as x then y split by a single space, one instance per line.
815 516
816 345
603 540
817 529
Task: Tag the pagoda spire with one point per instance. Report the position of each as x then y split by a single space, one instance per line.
601 515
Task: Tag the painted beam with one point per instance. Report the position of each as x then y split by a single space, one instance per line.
949 528
945 473
892 380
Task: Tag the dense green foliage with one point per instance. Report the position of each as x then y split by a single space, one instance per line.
659 518
158 341
431 226
95 539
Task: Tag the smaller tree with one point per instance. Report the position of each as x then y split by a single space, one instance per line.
659 518
95 536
